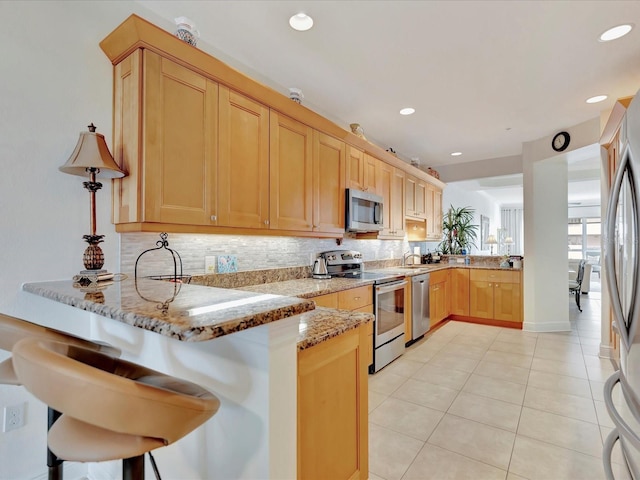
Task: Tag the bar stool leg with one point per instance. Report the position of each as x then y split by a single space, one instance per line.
133 468
53 462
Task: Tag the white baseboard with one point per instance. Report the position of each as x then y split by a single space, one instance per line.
539 327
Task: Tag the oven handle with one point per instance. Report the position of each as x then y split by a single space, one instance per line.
390 287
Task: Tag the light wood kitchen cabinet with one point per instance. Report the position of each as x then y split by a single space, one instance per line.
495 294
416 198
333 408
359 299
362 170
193 135
329 165
408 312
355 168
291 174
439 296
392 190
459 278
243 157
175 162
434 212
307 178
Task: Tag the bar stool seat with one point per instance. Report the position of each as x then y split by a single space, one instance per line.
111 408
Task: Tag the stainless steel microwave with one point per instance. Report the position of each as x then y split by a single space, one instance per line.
364 211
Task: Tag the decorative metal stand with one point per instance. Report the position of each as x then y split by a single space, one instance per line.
177 278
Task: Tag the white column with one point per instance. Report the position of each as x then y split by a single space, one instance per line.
546 299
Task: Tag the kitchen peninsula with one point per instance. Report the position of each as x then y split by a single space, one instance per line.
244 347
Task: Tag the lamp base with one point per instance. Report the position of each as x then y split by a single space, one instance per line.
88 278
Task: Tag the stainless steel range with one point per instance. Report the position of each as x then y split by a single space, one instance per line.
388 300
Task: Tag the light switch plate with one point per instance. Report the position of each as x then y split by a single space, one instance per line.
210 264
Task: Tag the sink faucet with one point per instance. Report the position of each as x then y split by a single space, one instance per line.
408 255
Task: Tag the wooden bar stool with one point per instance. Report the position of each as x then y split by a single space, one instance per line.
12 330
111 408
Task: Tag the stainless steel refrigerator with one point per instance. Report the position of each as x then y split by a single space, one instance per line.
622 266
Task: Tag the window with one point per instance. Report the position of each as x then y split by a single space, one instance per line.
584 236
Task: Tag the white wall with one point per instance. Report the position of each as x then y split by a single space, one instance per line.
483 205
55 81
546 302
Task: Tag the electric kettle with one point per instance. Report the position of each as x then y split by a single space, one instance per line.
320 269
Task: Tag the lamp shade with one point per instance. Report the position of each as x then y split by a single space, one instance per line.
491 240
509 241
92 152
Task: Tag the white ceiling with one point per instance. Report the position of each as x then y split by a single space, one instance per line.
483 76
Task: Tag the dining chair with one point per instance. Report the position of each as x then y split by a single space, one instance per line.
575 286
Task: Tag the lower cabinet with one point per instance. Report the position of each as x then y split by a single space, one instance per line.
333 408
460 291
475 294
439 296
495 294
358 299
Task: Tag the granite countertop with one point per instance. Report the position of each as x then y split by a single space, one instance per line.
307 287
190 313
324 323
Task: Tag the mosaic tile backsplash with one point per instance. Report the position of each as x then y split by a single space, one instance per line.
251 252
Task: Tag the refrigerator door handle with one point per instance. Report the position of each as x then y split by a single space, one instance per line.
607 449
626 321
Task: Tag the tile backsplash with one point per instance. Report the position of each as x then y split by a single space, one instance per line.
251 252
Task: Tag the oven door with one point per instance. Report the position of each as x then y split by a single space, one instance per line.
390 309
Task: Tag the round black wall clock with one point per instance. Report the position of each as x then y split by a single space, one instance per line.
561 141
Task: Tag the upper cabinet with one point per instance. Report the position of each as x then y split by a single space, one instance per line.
175 161
392 190
243 183
209 150
291 174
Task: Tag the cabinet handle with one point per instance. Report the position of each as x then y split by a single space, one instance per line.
214 218
266 222
356 298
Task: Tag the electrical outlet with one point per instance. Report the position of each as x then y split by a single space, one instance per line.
13 417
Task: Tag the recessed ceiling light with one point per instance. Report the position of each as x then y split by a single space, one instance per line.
596 99
456 154
407 111
616 32
301 22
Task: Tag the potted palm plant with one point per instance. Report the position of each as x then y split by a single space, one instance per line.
458 230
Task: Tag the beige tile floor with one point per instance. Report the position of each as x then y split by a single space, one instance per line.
479 402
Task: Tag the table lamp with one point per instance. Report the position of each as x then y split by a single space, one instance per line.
491 240
91 158
508 242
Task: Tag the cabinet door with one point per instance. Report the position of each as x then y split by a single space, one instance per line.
420 199
460 292
355 168
397 203
410 196
243 156
433 205
437 213
437 303
328 183
481 299
385 179
291 174
371 175
330 300
180 109
333 408
507 302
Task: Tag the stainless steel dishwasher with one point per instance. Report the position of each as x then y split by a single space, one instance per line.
419 306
